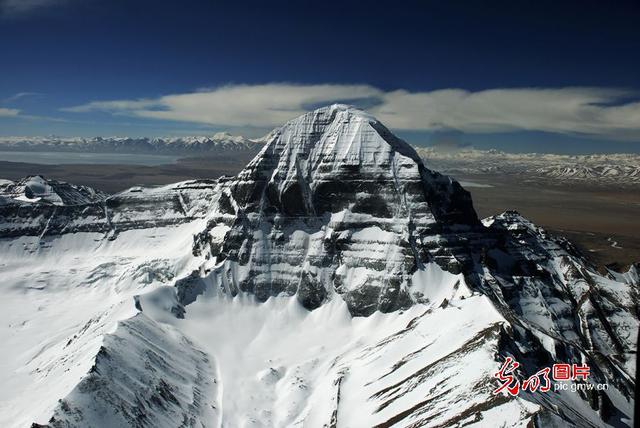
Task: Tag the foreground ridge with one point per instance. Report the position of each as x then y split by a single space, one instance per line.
335 281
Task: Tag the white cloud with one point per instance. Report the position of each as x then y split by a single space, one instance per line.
600 112
235 105
565 110
9 112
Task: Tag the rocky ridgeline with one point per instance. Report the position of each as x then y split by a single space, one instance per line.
35 206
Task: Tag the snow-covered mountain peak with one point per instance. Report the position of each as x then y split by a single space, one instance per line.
350 135
225 136
338 155
37 189
361 201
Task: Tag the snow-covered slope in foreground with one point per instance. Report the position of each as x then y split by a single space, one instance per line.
334 282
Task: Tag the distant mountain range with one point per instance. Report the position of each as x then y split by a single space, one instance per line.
220 141
604 169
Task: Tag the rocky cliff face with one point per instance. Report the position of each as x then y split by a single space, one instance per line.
335 202
336 281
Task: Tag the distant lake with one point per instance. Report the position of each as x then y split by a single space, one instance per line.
57 158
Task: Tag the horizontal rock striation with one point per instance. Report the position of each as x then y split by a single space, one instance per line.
335 202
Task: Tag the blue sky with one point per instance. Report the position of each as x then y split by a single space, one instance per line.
519 75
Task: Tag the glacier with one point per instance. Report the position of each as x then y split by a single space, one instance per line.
335 281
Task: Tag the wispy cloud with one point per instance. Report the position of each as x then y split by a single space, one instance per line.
24 7
15 113
604 112
9 112
21 95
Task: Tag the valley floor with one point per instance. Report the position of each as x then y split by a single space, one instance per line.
602 221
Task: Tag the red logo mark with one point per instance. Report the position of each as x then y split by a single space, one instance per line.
561 372
507 378
580 372
540 381
533 383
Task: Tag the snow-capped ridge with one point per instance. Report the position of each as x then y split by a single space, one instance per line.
37 189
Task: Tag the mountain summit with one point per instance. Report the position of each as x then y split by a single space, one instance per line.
345 147
335 281
361 202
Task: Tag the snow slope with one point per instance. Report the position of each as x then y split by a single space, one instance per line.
334 282
67 280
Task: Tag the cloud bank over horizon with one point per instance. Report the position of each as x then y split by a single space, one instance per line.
582 111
